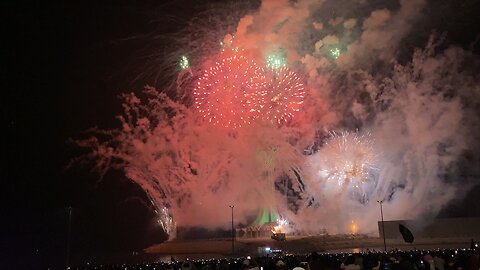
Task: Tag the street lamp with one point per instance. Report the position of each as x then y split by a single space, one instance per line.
233 232
69 236
383 226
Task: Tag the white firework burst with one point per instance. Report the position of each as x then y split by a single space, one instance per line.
165 220
348 158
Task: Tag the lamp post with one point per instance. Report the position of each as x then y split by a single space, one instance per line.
383 226
233 232
69 236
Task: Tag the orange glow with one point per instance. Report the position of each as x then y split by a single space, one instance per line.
354 227
281 223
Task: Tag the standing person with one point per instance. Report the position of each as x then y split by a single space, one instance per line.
439 262
474 261
315 262
188 265
280 265
250 264
429 263
349 264
405 263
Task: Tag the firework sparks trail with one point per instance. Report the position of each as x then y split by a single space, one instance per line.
335 52
184 63
225 93
282 98
281 226
165 220
275 61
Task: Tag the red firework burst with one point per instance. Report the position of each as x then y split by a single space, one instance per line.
225 93
282 97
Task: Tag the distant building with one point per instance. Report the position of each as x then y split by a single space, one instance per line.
260 226
436 228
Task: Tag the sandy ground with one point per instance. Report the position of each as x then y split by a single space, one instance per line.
220 248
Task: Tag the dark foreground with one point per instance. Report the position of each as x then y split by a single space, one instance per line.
415 259
325 252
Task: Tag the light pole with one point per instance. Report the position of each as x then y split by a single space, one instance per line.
69 235
233 232
383 226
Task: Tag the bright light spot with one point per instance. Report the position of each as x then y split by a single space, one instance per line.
275 61
165 220
280 227
335 52
184 62
354 227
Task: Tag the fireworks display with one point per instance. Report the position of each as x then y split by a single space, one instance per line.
349 159
177 152
275 61
335 52
235 90
280 227
166 221
184 62
225 93
282 97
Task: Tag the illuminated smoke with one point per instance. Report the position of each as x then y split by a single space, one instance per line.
420 110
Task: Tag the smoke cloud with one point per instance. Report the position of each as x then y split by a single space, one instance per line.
420 113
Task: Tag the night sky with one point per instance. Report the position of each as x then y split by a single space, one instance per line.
63 67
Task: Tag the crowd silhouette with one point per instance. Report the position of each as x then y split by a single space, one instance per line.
439 259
